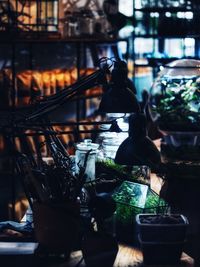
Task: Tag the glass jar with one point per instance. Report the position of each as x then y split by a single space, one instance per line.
81 152
110 141
86 23
175 97
70 27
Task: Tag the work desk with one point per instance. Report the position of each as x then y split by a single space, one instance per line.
16 254
178 192
127 257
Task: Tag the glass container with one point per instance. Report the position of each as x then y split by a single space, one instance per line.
110 141
70 27
132 199
81 152
175 97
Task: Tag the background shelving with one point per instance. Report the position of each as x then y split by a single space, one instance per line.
164 31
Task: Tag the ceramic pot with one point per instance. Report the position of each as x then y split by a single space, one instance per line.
170 230
161 237
161 253
99 249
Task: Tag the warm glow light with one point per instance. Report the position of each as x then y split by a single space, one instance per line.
27 3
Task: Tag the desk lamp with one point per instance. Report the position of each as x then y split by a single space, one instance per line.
138 149
120 97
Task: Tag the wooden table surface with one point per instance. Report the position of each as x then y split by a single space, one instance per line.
127 257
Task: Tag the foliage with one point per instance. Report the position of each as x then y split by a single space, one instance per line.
126 212
108 169
178 102
55 182
154 204
131 194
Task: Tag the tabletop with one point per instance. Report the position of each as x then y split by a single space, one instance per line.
127 256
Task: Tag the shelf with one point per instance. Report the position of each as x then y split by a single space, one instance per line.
155 61
162 30
158 36
166 9
48 39
153 65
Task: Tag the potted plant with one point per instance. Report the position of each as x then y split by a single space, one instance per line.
99 249
53 195
99 246
162 237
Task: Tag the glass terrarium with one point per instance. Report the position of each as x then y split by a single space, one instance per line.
131 199
175 97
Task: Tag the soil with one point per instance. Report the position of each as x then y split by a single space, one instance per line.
161 219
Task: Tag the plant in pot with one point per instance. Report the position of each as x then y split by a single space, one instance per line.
53 193
162 237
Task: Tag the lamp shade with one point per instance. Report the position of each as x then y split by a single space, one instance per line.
138 148
120 97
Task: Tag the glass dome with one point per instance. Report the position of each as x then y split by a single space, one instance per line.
175 96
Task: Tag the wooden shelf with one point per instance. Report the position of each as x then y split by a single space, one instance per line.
39 38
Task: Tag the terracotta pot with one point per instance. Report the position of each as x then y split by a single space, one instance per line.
57 226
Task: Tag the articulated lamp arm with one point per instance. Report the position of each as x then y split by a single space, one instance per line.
51 103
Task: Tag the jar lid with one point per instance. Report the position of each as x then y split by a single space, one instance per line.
87 145
112 141
105 126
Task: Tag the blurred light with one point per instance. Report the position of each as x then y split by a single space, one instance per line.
122 46
168 14
126 31
126 7
180 15
189 42
189 15
154 15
